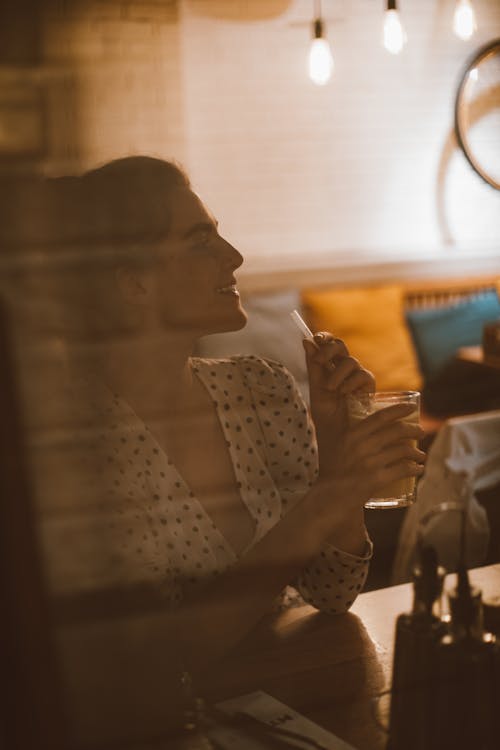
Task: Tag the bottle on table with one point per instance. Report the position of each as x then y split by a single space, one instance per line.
417 634
467 664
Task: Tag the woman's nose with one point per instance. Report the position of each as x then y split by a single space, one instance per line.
232 257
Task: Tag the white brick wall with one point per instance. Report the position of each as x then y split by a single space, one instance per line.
123 62
289 168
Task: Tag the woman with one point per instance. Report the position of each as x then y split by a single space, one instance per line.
222 489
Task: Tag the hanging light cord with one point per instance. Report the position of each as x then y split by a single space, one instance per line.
318 20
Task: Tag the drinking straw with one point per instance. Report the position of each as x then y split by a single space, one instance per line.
301 324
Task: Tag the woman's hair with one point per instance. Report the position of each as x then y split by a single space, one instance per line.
128 199
110 217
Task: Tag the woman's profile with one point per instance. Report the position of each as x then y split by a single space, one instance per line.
218 488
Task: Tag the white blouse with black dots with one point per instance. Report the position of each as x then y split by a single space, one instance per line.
156 529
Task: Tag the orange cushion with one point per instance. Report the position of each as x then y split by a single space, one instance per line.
371 322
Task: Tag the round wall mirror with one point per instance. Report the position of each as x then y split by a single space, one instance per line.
477 113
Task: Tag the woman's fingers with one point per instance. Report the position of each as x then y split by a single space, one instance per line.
324 350
332 366
382 448
349 377
390 454
345 368
374 444
394 462
400 470
362 381
329 348
398 437
397 431
386 419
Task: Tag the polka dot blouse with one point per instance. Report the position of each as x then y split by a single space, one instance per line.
156 529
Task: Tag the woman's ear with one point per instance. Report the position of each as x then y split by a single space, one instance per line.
134 286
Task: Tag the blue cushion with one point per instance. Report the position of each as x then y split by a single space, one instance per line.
438 332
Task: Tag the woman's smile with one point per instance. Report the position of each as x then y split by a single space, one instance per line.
230 289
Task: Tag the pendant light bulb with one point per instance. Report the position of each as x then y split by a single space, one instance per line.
320 56
464 20
394 35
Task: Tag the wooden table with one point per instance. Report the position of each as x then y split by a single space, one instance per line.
336 670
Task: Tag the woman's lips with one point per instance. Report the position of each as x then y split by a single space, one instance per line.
230 289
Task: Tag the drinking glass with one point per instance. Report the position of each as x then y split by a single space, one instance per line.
400 492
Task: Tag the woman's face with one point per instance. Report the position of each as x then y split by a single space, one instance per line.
193 285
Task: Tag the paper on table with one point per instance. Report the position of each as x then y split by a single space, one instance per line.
268 710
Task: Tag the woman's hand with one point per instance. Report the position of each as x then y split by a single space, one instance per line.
333 374
379 449
366 455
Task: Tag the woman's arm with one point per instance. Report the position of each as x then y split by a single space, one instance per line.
375 451
124 672
334 376
126 669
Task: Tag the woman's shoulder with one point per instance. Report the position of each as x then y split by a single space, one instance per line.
267 381
256 371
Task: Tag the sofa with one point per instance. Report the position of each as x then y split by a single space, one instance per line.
406 333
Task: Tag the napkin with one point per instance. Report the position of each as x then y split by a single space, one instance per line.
268 710
464 458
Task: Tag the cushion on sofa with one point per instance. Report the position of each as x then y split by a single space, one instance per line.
371 322
438 332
